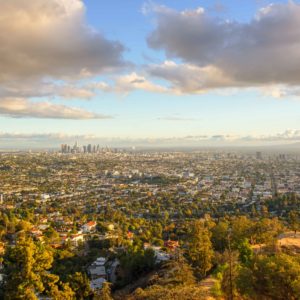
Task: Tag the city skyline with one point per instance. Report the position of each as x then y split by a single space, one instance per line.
149 73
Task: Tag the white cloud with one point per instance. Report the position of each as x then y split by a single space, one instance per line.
23 108
46 89
127 83
43 136
281 91
134 81
289 137
71 92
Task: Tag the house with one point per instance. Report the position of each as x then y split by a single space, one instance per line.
96 284
130 235
159 254
89 227
97 268
100 261
97 272
171 245
76 239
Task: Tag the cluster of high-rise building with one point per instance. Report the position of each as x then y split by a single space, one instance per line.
65 148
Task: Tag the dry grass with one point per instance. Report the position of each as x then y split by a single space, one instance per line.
289 239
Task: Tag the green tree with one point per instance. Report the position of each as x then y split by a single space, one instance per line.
80 284
59 290
51 235
26 265
229 274
294 221
219 236
176 272
23 226
267 230
242 227
104 293
271 277
245 252
200 251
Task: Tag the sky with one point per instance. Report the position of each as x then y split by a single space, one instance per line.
149 73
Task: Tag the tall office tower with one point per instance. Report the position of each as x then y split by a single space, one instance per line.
282 156
64 148
75 147
258 155
89 148
1 198
84 149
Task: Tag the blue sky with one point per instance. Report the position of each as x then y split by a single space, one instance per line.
123 69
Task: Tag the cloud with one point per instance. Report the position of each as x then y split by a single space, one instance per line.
15 139
188 78
134 81
287 135
52 39
71 92
43 136
265 51
23 108
46 49
281 91
128 83
46 89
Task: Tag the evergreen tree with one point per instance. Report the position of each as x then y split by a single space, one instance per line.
271 277
26 265
200 250
104 293
294 221
80 284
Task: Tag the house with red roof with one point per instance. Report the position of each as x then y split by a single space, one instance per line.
89 227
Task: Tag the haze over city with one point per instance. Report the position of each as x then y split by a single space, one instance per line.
149 73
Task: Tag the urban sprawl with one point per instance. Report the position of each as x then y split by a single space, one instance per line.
96 201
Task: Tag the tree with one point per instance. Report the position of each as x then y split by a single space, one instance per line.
200 250
219 236
51 235
271 277
25 266
136 262
58 290
65 293
267 230
242 227
245 252
294 221
104 293
229 274
80 284
176 272
23 226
